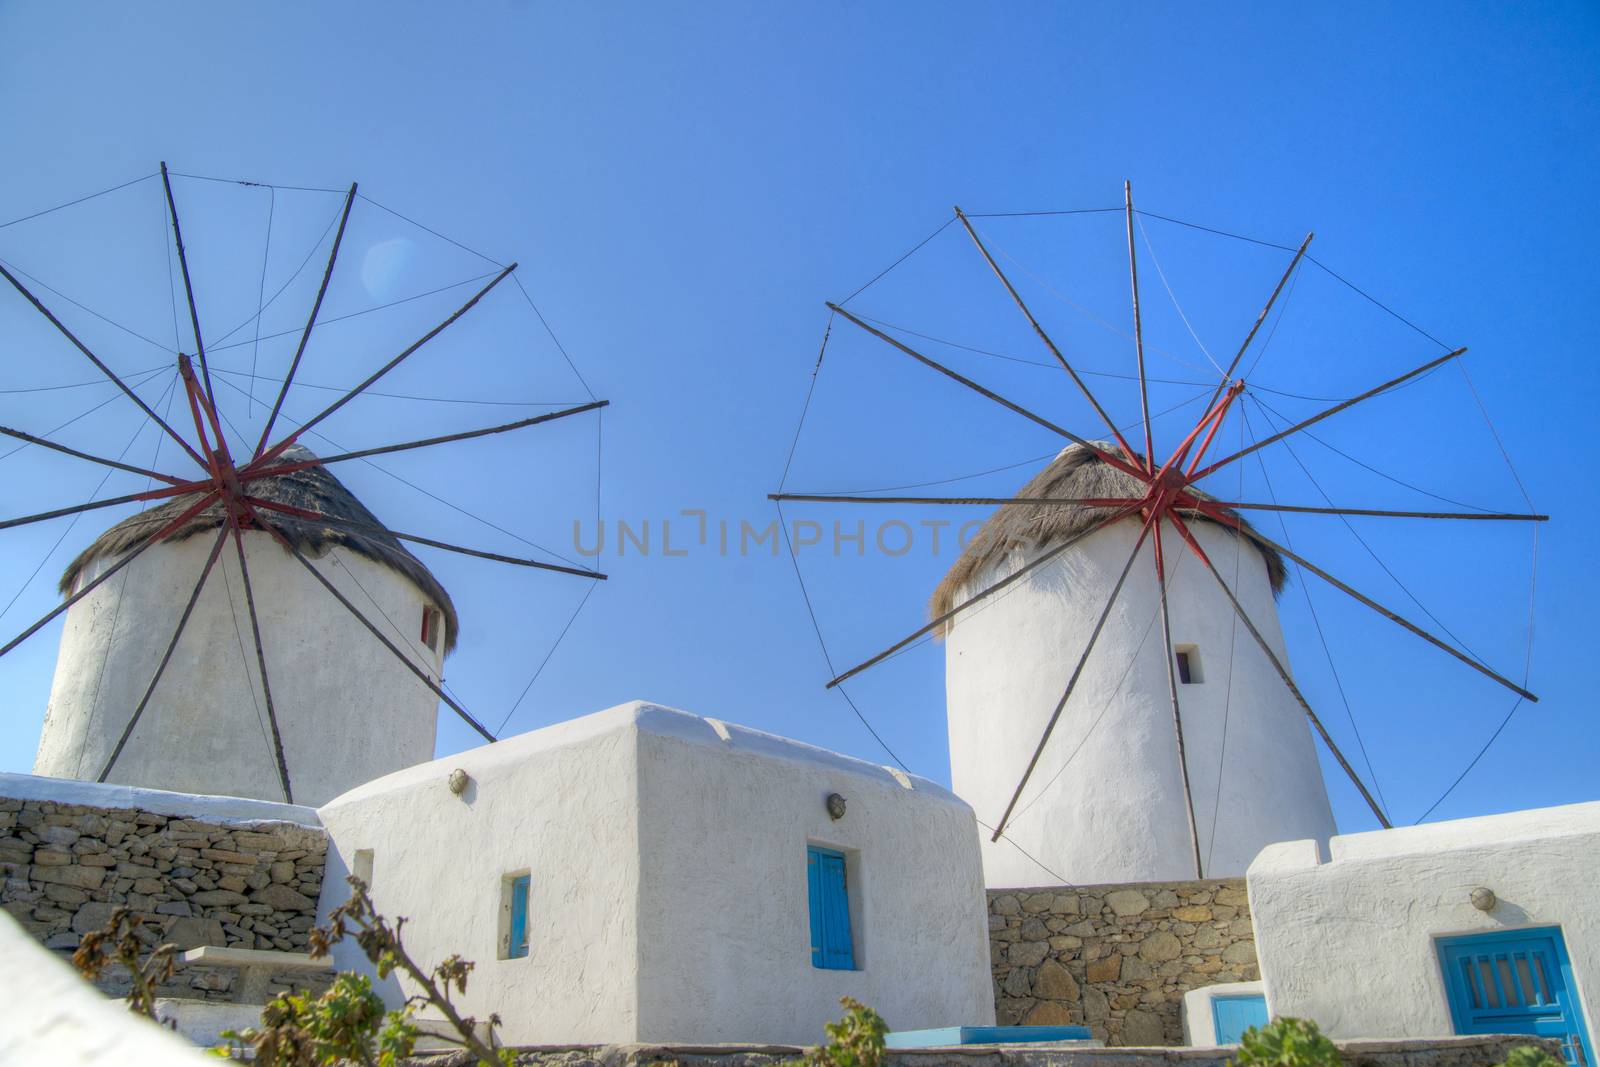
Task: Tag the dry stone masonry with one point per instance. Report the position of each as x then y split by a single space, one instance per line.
67 867
1116 958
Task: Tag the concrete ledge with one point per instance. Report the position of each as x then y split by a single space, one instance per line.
227 811
1475 1051
256 957
256 967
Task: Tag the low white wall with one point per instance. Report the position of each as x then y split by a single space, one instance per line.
218 809
724 928
668 863
49 1015
1350 942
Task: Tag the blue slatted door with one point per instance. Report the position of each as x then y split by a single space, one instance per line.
1233 1015
828 891
519 915
1516 982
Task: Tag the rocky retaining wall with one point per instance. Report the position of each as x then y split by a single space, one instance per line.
64 868
1116 958
1474 1051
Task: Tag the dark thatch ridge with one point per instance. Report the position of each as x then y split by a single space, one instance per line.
1076 472
314 489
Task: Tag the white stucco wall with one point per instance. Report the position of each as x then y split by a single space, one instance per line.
49 1015
1350 942
724 928
668 902
347 710
1117 813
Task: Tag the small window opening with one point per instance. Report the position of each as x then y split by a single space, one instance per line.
828 890
361 866
514 916
431 620
1188 665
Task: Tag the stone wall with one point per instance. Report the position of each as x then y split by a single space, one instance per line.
1116 958
65 867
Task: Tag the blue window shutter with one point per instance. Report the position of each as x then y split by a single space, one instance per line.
1234 1015
519 916
832 947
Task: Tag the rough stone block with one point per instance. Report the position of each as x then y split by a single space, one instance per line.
213 898
74 875
1048 1013
1053 982
1160 947
1106 970
1126 902
283 898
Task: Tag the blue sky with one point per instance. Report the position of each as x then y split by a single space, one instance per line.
684 186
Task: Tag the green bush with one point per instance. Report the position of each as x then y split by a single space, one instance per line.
1530 1056
1287 1042
348 1023
856 1040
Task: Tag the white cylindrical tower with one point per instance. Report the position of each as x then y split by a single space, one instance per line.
1106 801
347 710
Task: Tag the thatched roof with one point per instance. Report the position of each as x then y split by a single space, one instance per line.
1076 472
314 489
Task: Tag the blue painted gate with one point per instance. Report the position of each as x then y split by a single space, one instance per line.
1233 1015
1515 982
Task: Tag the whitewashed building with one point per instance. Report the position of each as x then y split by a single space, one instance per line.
646 875
1483 925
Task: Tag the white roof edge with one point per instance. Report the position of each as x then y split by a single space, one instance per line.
1472 832
229 810
686 725
647 717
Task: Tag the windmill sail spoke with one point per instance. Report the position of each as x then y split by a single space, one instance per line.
1038 501
1138 331
1392 616
1015 576
261 666
251 473
166 657
1072 683
333 520
118 464
1481 516
91 586
1294 691
278 449
1048 343
390 645
188 286
1115 461
1297 427
311 320
1177 711
1261 318
111 376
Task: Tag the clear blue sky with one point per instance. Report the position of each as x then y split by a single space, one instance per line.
685 185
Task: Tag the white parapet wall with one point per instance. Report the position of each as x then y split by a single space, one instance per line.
667 861
1350 942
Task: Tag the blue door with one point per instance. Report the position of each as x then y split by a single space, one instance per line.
1515 982
832 947
1233 1015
